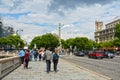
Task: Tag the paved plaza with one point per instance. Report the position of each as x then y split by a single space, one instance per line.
66 71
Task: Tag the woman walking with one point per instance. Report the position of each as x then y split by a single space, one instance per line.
40 54
26 59
55 58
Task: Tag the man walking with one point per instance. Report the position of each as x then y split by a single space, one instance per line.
55 57
31 54
22 54
35 54
48 58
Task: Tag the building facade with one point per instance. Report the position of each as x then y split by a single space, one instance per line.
103 35
5 30
1 25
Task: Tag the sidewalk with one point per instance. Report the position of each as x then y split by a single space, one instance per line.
66 71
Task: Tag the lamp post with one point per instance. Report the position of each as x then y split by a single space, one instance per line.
18 32
60 36
18 46
35 46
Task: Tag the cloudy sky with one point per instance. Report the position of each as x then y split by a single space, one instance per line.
38 17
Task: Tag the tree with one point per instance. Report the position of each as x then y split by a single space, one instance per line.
110 43
15 40
82 43
47 40
91 45
63 42
69 42
12 41
38 41
116 42
117 31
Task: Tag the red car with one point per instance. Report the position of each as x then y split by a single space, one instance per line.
96 55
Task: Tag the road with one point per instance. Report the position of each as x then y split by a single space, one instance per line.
106 67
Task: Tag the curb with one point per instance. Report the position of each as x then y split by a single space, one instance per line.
93 72
108 78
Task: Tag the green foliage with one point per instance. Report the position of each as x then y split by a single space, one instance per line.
63 42
15 41
47 40
69 42
3 41
91 45
116 42
117 31
83 43
50 40
107 44
110 43
37 40
96 45
12 41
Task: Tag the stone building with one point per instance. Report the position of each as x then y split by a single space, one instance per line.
102 35
1 27
5 30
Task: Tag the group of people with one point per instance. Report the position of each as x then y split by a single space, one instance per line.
43 54
54 57
25 57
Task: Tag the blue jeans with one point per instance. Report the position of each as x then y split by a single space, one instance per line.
22 59
35 58
55 62
48 65
30 57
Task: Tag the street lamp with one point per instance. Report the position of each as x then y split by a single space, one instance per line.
18 46
60 36
35 46
18 32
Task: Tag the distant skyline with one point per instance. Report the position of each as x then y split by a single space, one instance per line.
38 17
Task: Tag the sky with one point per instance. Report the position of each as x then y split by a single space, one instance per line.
38 17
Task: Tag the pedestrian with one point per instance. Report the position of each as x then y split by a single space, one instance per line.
35 54
55 59
31 54
22 54
26 58
41 53
48 58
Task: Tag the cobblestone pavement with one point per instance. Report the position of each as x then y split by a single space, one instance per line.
66 71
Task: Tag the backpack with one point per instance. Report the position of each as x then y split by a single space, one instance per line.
55 56
35 53
44 56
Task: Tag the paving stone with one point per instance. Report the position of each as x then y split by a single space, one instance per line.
37 71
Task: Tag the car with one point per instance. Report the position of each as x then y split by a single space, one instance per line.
79 53
96 54
118 51
108 54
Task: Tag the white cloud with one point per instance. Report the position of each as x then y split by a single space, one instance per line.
75 22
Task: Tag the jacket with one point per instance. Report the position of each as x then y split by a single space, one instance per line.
26 57
48 55
22 53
